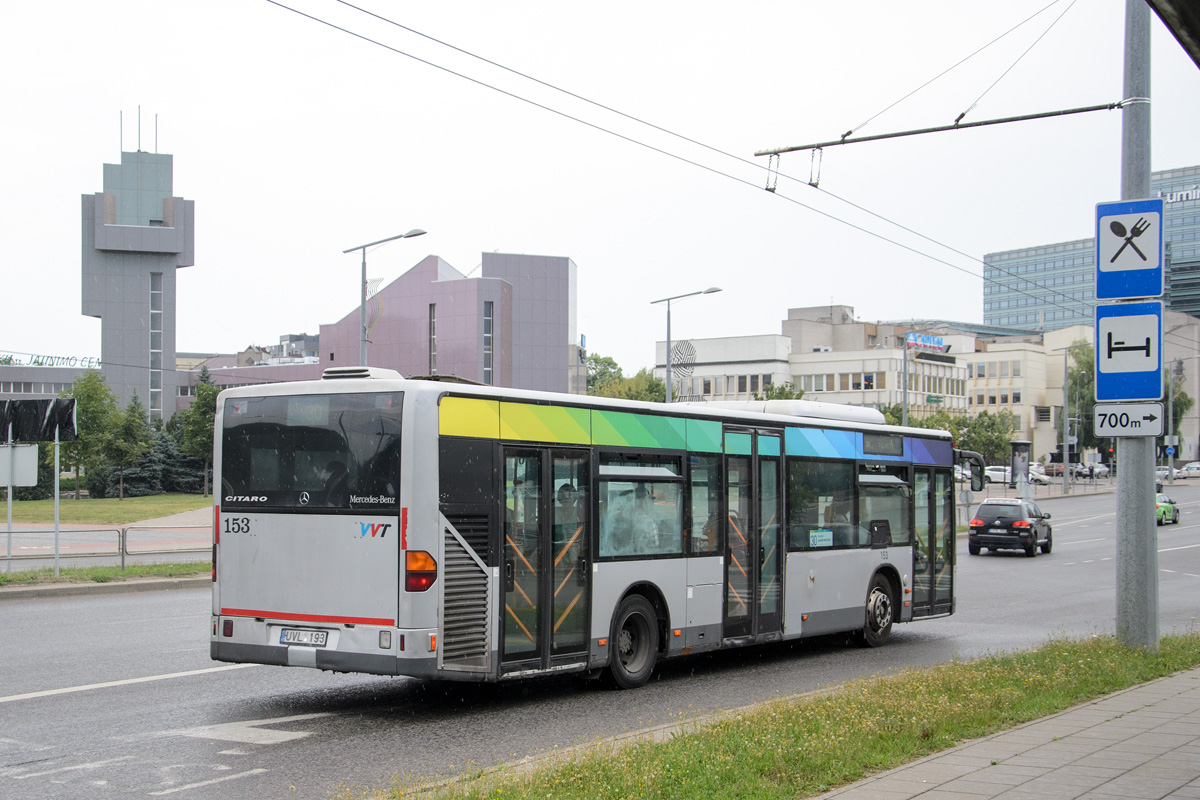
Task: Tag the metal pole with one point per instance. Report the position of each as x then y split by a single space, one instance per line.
56 501
12 465
1170 423
668 351
1066 424
904 383
362 314
1137 539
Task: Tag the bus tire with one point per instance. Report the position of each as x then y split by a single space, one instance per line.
633 646
880 613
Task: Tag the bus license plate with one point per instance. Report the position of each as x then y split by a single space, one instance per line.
309 638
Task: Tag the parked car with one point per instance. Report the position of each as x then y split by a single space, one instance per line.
1162 473
1192 470
1038 478
1165 510
997 474
1003 523
1054 470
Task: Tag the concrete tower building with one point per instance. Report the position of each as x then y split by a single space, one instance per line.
135 235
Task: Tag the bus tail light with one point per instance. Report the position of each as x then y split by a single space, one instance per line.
420 571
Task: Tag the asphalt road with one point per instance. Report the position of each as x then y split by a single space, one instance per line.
114 696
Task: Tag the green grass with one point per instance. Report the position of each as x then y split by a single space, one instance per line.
106 511
802 747
31 577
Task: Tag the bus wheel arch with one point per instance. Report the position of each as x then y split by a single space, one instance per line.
881 611
636 637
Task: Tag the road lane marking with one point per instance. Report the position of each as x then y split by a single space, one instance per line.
250 731
91 765
210 782
1085 519
1181 547
1084 541
126 682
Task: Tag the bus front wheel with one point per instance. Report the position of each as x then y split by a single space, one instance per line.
881 613
633 646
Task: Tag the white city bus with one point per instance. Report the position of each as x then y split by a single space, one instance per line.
368 523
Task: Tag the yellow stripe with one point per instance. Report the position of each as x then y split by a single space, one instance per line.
468 416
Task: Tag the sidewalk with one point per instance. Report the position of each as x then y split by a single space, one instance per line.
1143 742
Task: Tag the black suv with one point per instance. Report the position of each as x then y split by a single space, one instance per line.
1004 523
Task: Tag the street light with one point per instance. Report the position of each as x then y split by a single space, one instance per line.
362 309
1174 371
1066 446
668 300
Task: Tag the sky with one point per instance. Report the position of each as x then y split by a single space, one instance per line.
297 141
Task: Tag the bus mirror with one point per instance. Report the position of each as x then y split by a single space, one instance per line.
973 462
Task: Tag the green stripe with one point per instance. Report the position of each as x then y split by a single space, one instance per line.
638 430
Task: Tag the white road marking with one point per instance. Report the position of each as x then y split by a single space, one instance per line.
90 765
127 682
1083 541
250 731
1085 519
1182 547
207 783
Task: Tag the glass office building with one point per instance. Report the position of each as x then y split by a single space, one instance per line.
1052 286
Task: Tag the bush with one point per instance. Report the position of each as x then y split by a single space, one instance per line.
96 480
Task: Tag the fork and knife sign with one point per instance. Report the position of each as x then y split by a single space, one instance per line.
1140 227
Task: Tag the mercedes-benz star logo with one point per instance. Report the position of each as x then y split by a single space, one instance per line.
304 498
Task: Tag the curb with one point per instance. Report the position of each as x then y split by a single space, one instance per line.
88 589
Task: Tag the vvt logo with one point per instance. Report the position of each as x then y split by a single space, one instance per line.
379 529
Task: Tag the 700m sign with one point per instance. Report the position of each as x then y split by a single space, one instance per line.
1129 419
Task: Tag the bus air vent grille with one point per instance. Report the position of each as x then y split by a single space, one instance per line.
465 597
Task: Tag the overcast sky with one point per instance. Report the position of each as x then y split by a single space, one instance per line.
297 141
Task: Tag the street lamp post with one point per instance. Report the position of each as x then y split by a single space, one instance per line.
1066 442
668 300
362 309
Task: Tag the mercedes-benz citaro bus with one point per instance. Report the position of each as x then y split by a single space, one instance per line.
369 523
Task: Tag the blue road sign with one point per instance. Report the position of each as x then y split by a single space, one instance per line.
1129 351
1170 451
1129 249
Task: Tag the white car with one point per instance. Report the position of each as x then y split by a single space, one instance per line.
1192 470
1038 478
997 474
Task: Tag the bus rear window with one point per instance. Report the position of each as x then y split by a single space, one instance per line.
312 451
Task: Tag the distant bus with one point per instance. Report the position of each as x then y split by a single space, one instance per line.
369 523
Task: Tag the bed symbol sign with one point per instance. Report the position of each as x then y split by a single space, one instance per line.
1128 351
1129 248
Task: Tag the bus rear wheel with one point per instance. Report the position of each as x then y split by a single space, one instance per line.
633 646
881 613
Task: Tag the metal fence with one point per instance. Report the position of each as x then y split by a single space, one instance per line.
132 540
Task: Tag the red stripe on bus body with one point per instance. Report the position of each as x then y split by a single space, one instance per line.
249 612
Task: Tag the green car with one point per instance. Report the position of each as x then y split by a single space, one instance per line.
1165 509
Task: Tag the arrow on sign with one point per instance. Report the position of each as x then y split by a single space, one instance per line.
1149 418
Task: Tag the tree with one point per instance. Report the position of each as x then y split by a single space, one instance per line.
129 441
1181 402
1081 383
95 416
601 370
199 419
642 386
989 435
779 391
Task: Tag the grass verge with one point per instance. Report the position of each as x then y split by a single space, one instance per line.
108 510
802 747
33 577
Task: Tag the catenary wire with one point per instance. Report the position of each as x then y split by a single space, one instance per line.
665 152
